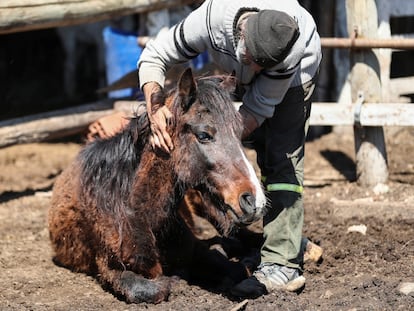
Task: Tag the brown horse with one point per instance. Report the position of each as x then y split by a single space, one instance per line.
114 210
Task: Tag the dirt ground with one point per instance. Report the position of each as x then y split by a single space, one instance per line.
359 271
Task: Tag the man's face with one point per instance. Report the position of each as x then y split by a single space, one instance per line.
243 56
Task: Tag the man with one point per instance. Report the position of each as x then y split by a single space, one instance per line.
274 49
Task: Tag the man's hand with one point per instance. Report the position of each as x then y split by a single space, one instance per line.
159 116
159 122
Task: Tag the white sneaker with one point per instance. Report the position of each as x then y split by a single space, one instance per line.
274 276
267 278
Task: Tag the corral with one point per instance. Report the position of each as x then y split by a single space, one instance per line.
370 270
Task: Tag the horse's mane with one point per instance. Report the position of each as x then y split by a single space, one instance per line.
108 165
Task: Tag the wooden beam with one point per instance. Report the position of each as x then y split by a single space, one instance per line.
75 120
402 86
61 123
331 114
53 124
25 15
364 43
371 114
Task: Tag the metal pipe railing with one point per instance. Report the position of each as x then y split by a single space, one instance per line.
366 43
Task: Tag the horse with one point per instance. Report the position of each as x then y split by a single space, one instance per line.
115 210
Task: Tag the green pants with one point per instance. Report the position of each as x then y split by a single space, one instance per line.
280 144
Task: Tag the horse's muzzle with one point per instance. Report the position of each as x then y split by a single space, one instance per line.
247 203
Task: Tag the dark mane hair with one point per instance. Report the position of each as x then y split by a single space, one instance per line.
108 165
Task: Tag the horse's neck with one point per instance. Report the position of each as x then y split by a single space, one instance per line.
155 188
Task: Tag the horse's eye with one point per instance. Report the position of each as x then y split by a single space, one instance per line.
204 137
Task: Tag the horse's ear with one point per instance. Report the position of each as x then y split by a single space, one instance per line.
187 88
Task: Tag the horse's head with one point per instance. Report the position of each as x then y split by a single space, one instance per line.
208 154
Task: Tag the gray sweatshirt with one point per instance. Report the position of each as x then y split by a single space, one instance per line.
211 28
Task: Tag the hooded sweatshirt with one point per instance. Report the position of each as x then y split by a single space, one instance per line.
212 28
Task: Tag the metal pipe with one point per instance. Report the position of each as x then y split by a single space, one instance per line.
365 43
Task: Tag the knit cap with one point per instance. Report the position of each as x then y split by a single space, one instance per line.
269 36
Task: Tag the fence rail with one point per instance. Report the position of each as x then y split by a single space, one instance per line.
368 43
61 123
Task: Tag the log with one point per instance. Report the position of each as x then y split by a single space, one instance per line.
52 125
371 156
25 15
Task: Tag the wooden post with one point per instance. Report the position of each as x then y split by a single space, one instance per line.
371 157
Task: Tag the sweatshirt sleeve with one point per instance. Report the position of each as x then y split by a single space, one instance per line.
179 44
267 91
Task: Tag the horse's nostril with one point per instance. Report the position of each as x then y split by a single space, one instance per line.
247 202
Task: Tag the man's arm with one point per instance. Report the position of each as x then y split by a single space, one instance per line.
249 121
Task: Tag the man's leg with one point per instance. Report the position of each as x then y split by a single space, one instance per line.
279 143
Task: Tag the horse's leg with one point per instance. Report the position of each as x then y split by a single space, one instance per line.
134 287
135 271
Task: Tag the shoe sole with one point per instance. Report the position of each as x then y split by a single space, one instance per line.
291 286
295 284
312 252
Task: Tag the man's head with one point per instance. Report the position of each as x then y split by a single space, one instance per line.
269 36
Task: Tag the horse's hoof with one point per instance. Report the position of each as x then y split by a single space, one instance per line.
138 289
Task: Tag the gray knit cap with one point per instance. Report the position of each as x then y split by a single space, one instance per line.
269 36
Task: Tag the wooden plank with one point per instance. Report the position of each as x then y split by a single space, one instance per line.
387 114
20 15
331 114
402 86
327 114
371 114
